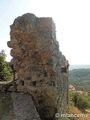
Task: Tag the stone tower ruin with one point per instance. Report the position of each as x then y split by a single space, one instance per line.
42 69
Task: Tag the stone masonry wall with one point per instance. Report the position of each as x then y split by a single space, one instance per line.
41 67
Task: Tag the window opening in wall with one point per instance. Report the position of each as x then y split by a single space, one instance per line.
63 69
34 83
22 83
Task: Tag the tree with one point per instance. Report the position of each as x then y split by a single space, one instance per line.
5 69
80 100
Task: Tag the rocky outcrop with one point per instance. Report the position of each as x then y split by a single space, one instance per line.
42 69
17 106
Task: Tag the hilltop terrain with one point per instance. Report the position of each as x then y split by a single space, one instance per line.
79 67
80 78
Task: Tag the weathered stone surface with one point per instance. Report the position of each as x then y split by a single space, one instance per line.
21 88
17 106
12 88
41 67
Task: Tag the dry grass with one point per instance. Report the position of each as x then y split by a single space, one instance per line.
75 110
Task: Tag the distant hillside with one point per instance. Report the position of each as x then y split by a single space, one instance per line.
80 78
78 66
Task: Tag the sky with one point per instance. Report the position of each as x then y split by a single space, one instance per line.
72 19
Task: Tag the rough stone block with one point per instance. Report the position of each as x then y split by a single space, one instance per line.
12 89
21 88
17 106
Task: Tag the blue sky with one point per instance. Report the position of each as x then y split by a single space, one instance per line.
72 19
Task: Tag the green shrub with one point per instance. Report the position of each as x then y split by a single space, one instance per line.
80 100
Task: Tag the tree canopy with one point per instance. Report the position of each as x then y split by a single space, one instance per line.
5 69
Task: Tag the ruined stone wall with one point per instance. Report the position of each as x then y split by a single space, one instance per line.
41 67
